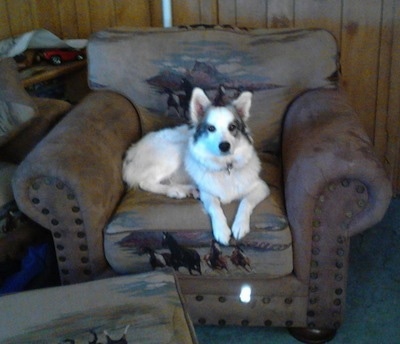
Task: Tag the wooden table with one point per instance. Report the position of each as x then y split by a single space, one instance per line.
74 76
44 72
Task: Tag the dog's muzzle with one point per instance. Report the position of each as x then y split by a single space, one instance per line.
224 147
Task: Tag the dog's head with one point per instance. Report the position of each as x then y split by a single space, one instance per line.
220 129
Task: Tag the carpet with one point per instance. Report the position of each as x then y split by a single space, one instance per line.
373 294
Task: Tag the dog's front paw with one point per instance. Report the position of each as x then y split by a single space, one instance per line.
222 234
178 192
240 228
182 191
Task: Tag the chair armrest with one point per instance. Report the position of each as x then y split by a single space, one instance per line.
71 182
335 186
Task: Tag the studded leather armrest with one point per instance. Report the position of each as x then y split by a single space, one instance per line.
335 186
71 182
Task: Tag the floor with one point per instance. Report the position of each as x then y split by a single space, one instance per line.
373 296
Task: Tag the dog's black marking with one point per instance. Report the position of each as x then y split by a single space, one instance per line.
202 130
238 126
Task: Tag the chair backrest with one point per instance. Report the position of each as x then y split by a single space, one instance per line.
156 69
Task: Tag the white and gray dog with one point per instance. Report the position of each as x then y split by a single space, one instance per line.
213 156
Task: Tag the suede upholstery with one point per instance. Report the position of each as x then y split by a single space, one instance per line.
333 184
24 120
50 111
17 109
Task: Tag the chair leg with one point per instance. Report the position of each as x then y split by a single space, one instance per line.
312 335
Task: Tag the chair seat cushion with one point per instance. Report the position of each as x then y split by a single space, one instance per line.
134 235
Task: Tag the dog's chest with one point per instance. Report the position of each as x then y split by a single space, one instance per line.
228 184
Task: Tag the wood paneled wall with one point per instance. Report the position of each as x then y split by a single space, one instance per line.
367 31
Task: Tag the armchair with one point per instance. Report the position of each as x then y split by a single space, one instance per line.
326 182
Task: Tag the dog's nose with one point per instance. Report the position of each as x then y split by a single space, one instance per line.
224 146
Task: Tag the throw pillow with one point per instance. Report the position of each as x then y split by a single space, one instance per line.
17 108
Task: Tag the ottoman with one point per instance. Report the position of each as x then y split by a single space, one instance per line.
143 308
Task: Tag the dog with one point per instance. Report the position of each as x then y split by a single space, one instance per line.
212 158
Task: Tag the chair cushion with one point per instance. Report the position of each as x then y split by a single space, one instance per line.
17 108
158 69
137 227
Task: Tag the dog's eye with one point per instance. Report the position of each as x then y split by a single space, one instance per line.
232 127
211 128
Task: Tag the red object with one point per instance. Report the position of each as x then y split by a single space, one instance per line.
58 56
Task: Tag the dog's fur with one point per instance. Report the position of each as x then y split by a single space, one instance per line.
214 155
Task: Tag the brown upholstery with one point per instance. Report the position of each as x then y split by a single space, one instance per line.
333 184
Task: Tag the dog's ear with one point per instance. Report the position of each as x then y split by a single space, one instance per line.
242 105
198 105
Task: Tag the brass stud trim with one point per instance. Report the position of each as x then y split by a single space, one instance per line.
313 301
340 252
315 251
288 300
339 291
311 313
349 214
60 185
338 277
341 239
345 183
339 265
360 189
266 300
316 237
316 223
